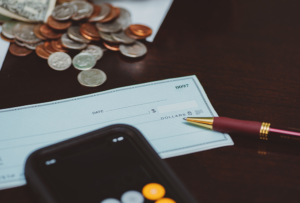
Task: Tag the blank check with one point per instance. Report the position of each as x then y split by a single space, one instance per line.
157 109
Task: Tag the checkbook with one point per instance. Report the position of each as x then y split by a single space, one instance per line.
156 108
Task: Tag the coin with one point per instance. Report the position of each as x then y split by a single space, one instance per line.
114 26
84 61
21 44
49 48
140 30
58 25
19 51
71 44
82 32
124 18
97 10
24 32
74 34
105 10
107 37
91 78
41 52
115 12
6 39
113 47
135 50
96 51
38 33
33 46
59 61
122 37
128 32
49 32
63 12
57 45
90 30
8 29
84 10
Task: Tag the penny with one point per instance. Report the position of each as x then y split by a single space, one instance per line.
19 51
71 44
90 30
96 51
140 30
74 34
84 10
91 78
8 29
105 10
48 47
49 32
57 45
128 32
113 47
114 26
33 46
38 33
58 25
97 10
84 61
41 52
24 32
107 37
6 39
115 12
86 36
122 37
63 12
59 61
135 50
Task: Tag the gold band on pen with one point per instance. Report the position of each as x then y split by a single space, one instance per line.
264 131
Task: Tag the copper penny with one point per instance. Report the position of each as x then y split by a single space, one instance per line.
85 35
131 35
113 47
48 47
49 32
90 30
19 51
58 25
38 33
57 45
6 39
140 30
114 13
97 10
41 52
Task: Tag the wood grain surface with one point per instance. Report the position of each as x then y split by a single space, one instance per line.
246 55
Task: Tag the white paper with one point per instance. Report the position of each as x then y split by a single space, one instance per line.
3 49
28 128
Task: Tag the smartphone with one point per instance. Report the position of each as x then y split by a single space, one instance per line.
114 164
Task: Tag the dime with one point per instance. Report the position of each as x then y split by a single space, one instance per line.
33 46
24 32
105 10
131 35
97 10
8 29
84 10
84 61
135 50
115 12
59 61
74 34
124 18
41 52
57 45
49 32
113 47
49 48
107 37
140 30
58 25
38 33
122 37
19 51
96 51
91 78
90 30
63 12
6 39
71 44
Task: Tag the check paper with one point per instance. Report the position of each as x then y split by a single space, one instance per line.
157 109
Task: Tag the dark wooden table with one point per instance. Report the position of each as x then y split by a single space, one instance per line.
246 54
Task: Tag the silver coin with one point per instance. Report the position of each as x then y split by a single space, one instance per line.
124 18
84 61
113 26
24 32
105 10
135 50
84 10
21 44
107 37
96 51
63 12
59 61
74 34
8 29
71 44
33 46
91 78
122 37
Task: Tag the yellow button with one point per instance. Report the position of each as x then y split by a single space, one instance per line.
165 200
153 191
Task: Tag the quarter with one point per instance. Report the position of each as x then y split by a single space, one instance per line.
59 61
122 37
135 50
24 32
74 34
71 44
113 26
96 51
84 10
107 37
63 12
8 29
91 78
84 61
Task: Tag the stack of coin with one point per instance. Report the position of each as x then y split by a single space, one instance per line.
73 25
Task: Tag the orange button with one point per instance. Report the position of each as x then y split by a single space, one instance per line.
165 200
153 191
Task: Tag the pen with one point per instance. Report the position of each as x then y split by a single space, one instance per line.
261 130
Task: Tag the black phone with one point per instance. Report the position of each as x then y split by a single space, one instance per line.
114 164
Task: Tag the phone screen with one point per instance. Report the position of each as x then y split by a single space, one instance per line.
110 170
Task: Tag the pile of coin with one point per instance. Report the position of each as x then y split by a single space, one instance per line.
76 25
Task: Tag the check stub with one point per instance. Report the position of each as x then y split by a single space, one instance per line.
156 108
